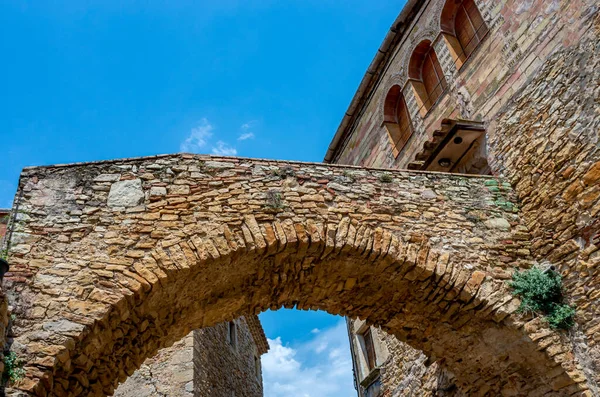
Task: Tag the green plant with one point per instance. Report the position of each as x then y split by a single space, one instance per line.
4 253
561 317
13 368
385 178
541 292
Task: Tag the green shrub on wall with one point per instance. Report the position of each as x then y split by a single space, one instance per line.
541 292
562 316
13 368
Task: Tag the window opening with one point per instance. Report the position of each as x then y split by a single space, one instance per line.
397 119
232 334
426 76
369 349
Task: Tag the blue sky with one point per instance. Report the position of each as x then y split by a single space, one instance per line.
85 80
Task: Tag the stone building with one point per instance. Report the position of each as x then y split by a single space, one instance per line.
508 88
112 261
220 361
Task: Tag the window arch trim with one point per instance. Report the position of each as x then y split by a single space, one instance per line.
426 76
397 119
462 40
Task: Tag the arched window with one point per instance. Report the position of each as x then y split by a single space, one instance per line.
426 74
397 119
463 27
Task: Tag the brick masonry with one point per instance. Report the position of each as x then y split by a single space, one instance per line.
112 261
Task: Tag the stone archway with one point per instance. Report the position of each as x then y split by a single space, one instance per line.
114 260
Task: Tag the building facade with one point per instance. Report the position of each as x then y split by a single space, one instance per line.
507 88
219 361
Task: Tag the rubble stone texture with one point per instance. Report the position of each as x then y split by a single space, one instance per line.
168 374
98 289
202 364
534 82
4 315
231 371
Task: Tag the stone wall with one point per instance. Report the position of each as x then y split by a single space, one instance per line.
408 372
223 370
547 141
403 371
4 313
170 373
204 363
534 82
4 328
114 260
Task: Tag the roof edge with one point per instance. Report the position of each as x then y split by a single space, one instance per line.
258 333
391 38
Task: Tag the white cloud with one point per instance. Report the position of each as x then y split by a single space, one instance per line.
246 130
223 149
245 135
198 137
320 367
248 125
315 331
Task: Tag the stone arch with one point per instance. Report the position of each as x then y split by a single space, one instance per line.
143 275
133 328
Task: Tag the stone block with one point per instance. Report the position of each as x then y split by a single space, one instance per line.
126 194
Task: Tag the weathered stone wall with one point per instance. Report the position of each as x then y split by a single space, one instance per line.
4 314
223 370
404 371
204 363
4 324
547 141
408 372
534 82
114 260
170 373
